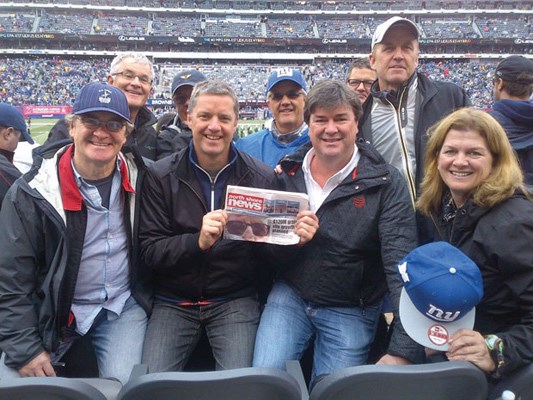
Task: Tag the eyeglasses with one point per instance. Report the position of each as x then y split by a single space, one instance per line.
130 76
356 82
238 228
112 125
291 94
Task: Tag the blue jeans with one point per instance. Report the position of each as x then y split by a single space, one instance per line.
117 343
174 331
342 335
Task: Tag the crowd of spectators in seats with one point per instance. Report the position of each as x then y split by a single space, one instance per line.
297 5
56 81
116 23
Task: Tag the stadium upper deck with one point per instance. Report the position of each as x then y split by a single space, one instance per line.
266 29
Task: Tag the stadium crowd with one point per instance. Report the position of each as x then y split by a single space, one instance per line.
392 160
110 22
57 80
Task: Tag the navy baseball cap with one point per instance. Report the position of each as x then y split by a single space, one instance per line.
442 287
97 96
11 117
190 77
517 69
286 74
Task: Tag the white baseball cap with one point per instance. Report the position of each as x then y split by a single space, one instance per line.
382 29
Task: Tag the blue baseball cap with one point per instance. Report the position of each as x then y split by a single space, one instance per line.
286 74
97 96
11 117
442 287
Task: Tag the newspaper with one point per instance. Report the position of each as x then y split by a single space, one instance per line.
262 215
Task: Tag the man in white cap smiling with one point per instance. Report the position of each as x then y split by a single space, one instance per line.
403 103
68 258
12 131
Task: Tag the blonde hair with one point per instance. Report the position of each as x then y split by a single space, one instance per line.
505 176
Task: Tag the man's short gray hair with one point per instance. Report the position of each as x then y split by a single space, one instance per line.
136 57
214 87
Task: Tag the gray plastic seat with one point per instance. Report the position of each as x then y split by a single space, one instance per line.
450 380
49 388
236 384
520 382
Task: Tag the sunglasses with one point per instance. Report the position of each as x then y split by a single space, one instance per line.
94 123
356 82
238 228
291 94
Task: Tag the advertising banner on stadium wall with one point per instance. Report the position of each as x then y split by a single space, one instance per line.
46 111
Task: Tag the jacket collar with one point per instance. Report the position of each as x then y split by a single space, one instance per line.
70 193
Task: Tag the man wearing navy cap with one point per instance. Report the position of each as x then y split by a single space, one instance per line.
286 92
12 130
68 259
513 86
177 135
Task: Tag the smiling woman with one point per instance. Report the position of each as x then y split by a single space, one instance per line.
474 195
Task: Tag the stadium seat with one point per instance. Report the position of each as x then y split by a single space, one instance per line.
236 384
48 388
440 381
520 383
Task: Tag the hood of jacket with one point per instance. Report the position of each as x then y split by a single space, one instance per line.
516 117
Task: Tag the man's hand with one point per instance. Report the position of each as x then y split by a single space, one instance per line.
38 366
388 359
213 224
469 345
306 226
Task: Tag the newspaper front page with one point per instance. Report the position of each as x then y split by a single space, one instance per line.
262 215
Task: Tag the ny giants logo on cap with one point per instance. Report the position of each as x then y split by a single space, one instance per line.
441 289
439 315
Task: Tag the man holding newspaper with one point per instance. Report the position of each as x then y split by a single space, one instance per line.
203 281
332 291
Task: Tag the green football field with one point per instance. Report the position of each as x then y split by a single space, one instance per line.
41 126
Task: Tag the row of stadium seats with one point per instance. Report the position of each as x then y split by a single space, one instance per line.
455 380
348 27
312 5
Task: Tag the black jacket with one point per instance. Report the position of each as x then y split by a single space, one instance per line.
516 117
8 174
40 255
434 101
144 136
173 138
367 226
170 224
500 241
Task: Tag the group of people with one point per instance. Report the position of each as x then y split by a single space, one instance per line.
117 234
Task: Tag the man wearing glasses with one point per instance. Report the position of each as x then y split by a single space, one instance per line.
177 135
286 91
69 265
133 73
360 78
203 282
